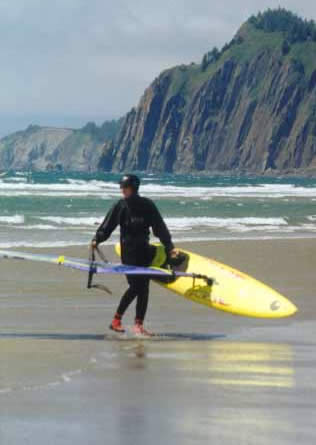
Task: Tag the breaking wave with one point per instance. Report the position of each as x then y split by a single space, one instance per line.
15 219
77 187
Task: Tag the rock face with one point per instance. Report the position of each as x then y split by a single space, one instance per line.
44 148
249 108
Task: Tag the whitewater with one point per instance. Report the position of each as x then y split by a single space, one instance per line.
61 209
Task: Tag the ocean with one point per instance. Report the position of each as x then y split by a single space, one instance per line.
63 209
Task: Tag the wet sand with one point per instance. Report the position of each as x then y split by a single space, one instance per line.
211 377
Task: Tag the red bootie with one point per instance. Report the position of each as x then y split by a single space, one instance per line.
138 329
116 324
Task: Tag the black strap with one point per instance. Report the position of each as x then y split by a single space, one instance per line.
208 280
93 269
101 255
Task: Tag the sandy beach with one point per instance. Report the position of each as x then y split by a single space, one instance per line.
215 377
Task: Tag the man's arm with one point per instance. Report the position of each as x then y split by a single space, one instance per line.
109 224
160 229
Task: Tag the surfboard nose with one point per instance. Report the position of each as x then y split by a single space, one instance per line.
281 307
267 303
288 309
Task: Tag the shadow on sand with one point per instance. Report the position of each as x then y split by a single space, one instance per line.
164 336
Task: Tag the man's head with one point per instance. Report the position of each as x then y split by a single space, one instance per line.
129 185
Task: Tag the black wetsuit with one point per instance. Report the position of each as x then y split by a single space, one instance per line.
135 216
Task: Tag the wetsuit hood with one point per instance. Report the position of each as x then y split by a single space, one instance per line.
132 181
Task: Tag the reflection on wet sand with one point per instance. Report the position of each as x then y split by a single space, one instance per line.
255 364
223 389
223 362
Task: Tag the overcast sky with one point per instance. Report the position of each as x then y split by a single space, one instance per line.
64 62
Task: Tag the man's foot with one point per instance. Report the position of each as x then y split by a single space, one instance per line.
138 329
116 325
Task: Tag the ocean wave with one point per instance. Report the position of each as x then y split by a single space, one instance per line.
79 187
264 229
245 191
15 179
73 221
189 223
38 227
41 244
82 186
177 225
15 219
174 223
247 235
49 194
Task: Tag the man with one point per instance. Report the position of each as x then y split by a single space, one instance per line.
135 215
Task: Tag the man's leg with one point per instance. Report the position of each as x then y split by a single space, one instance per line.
129 295
126 300
142 298
148 255
141 306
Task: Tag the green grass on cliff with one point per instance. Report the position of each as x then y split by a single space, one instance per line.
254 41
186 79
306 54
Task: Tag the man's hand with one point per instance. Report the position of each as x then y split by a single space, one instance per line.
174 253
94 244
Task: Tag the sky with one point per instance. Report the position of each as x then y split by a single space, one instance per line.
66 62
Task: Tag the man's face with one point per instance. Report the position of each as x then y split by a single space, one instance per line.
127 192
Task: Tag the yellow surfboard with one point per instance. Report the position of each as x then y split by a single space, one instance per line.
232 291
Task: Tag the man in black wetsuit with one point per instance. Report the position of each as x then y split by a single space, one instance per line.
135 215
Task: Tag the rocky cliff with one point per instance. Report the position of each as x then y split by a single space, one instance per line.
248 108
45 148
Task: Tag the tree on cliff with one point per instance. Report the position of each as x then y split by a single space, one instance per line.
210 57
282 20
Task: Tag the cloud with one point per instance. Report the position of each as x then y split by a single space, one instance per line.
86 59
